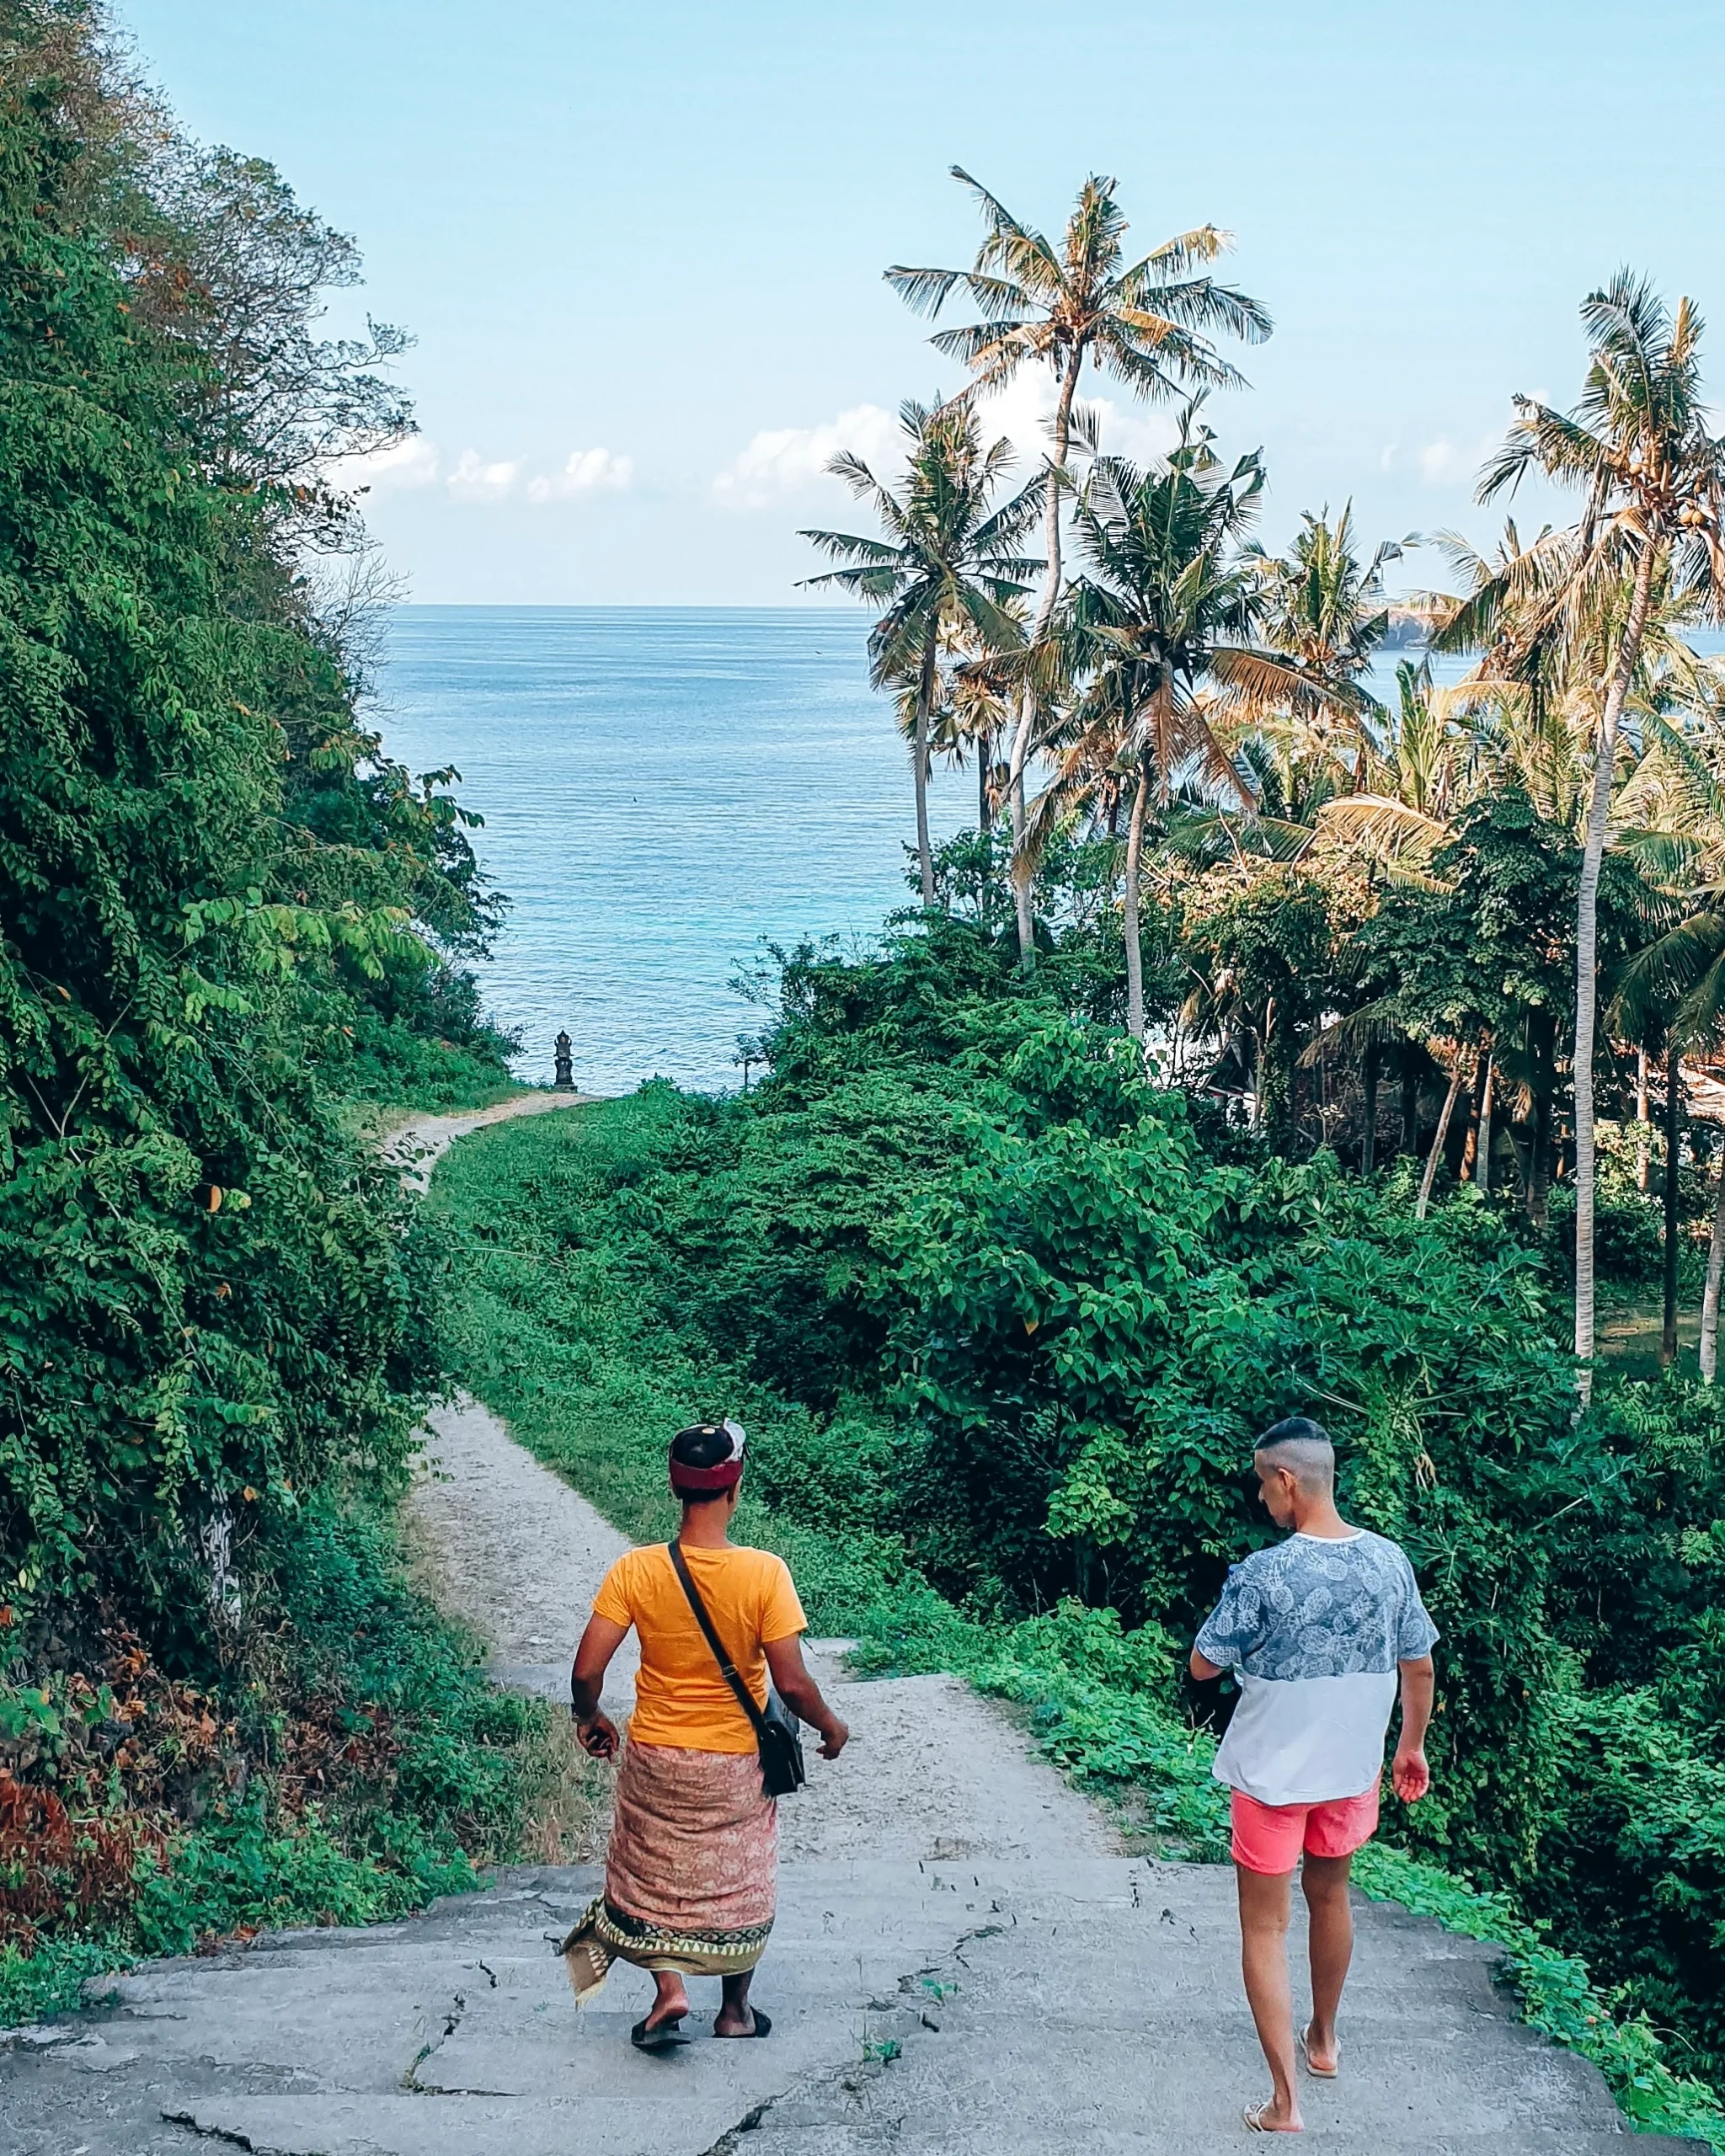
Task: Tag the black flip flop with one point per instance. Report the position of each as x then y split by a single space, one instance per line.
763 2027
663 2036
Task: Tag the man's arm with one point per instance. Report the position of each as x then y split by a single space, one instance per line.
599 1643
1202 1668
1409 1775
803 1695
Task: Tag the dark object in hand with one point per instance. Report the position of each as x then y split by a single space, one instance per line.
598 1737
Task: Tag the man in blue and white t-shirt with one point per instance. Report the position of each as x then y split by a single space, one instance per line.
1321 1631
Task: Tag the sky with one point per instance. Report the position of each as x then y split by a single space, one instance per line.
640 246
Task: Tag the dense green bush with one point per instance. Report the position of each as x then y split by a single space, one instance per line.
220 907
1003 1321
224 915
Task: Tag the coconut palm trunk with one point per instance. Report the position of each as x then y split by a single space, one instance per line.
1674 1138
1482 1149
1134 944
925 701
1368 1134
1541 1044
1467 1166
1441 1133
1716 1271
1587 929
1024 731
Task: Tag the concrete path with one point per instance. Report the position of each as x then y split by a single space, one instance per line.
964 1964
991 2008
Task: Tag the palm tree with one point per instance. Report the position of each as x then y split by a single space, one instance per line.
1324 606
981 688
1637 443
1161 628
1150 323
1677 981
949 560
973 683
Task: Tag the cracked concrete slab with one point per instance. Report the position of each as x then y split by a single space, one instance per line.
461 2034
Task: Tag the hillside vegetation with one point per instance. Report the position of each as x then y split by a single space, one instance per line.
1003 1317
224 914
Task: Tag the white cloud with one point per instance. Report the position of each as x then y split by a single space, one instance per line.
588 472
1445 463
409 463
473 480
1143 431
784 460
1023 411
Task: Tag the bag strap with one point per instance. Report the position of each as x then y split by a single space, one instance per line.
728 1668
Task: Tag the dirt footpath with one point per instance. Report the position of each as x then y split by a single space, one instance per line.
416 1147
930 1772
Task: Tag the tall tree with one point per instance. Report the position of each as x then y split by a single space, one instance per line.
1161 626
981 689
1637 443
949 559
202 1285
1150 322
1324 606
1674 985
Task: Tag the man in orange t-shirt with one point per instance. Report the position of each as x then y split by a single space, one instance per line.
681 1697
691 1868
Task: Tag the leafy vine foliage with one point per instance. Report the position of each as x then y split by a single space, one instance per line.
222 908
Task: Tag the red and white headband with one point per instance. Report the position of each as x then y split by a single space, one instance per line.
723 1475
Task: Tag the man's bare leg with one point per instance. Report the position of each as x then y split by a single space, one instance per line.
1324 1882
673 2000
736 2017
1265 1901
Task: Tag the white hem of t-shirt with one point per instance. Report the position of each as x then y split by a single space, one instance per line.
1301 1803
1308 1740
1299 1534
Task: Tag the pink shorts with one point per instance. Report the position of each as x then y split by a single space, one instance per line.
1270 1837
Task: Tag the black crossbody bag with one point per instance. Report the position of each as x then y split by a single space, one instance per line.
775 1731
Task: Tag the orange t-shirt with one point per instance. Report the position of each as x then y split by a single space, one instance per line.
680 1698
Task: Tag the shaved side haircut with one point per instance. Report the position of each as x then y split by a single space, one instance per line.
1303 1447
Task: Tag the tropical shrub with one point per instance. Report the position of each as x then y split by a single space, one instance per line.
1003 1317
224 912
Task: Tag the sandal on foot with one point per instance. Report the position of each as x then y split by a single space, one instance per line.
1317 2073
663 2036
763 2027
1254 2116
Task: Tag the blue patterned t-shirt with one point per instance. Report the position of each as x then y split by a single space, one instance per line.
1315 1630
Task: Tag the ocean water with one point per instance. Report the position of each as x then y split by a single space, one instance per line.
663 791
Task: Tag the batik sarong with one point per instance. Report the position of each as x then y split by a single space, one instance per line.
690 1873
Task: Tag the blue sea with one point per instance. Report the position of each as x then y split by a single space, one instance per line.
663 791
